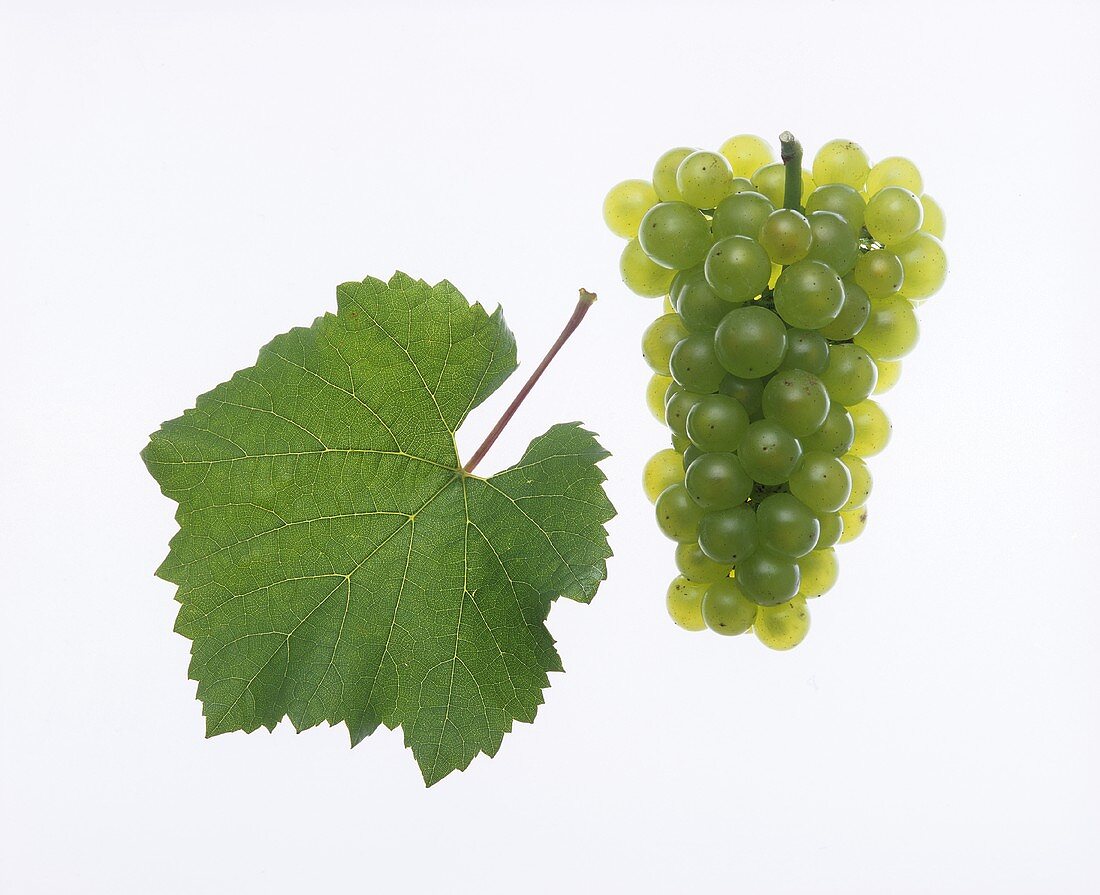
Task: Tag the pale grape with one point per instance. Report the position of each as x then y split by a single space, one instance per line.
839 199
771 181
835 435
742 214
832 528
925 264
894 171
674 234
850 375
704 179
664 174
642 275
655 395
879 273
872 429
726 609
854 522
861 482
695 565
747 153
822 482
819 570
785 235
889 371
935 222
684 602
891 330
841 161
782 627
664 468
853 314
834 242
893 215
626 204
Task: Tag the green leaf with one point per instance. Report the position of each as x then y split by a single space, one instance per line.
334 562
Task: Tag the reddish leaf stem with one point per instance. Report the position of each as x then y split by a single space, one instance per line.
583 304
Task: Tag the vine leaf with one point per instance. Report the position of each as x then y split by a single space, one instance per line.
334 564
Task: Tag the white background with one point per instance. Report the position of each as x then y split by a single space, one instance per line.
177 187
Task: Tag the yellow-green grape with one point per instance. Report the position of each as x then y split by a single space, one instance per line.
641 275
777 269
784 626
667 307
924 262
655 395
726 609
658 340
861 482
840 199
934 220
740 185
879 273
625 204
872 427
841 161
695 565
819 570
685 603
893 214
894 171
664 468
854 522
891 331
785 236
704 179
769 181
889 371
664 174
747 154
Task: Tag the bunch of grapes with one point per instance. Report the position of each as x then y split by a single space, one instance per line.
780 321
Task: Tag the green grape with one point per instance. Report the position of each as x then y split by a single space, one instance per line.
889 371
750 342
851 374
934 220
664 468
806 350
667 307
641 275
771 181
695 565
664 174
839 199
785 235
854 523
925 264
893 214
680 443
879 273
834 241
694 365
769 453
697 304
782 627
674 234
678 515
797 400
872 427
841 161
747 153
836 433
737 268
742 214
822 482
659 339
819 572
716 481
726 609
891 330
729 535
853 314
625 205
704 178
786 525
655 395
861 481
691 454
740 185
768 578
678 404
717 423
894 171
684 602
809 294
832 527
748 393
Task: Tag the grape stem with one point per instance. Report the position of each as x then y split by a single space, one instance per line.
583 304
790 152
